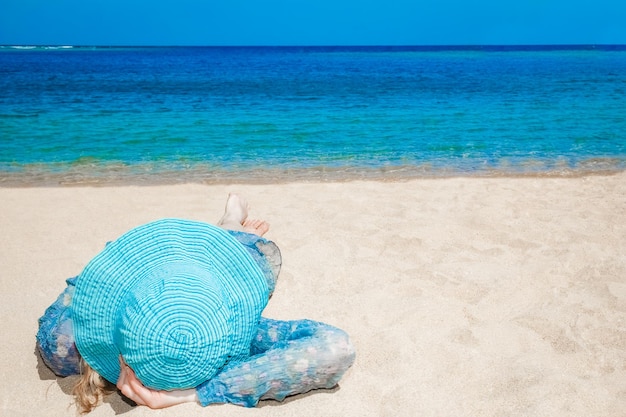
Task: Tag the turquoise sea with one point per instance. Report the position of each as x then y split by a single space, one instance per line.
266 114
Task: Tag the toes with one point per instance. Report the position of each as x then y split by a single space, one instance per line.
257 227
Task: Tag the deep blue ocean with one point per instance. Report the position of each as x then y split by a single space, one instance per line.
221 114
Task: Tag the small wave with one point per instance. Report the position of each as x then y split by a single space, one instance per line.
22 47
59 47
36 47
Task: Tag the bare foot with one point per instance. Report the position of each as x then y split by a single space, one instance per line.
236 217
257 227
236 212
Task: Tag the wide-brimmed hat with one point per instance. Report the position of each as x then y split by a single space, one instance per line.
177 299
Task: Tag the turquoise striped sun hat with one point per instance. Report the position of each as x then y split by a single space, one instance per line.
177 299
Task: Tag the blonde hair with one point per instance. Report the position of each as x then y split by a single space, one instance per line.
90 389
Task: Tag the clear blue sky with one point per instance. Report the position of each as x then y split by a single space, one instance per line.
311 22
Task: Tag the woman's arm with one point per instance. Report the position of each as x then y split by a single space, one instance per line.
132 388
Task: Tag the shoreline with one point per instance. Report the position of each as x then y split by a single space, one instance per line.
272 177
463 296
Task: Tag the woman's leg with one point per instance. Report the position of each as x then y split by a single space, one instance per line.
249 233
288 357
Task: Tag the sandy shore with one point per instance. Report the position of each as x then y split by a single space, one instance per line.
464 297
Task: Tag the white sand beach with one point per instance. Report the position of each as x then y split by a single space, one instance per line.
462 296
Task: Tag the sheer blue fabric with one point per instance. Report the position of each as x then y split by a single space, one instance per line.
287 358
55 338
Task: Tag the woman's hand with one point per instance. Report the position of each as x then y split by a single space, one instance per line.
133 389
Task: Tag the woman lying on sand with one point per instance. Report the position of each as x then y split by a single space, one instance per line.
171 313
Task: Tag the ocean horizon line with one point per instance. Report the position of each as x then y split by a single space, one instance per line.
383 47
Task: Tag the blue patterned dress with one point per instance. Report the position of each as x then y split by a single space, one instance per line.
286 357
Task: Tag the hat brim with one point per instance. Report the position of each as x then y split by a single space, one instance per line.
107 279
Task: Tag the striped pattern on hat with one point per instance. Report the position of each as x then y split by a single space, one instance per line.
176 298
